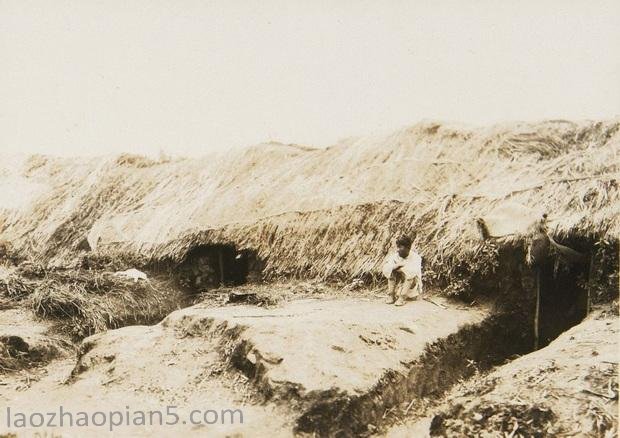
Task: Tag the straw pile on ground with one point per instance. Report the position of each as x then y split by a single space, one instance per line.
84 302
319 212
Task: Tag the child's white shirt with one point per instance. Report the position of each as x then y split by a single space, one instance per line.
412 265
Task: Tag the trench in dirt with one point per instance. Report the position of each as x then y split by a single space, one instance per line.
549 302
475 347
457 357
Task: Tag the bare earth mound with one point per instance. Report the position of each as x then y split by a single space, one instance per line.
281 366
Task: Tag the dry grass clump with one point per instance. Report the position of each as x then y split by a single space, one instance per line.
605 276
114 261
15 287
514 420
86 302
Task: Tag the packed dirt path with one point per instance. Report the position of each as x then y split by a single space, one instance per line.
306 359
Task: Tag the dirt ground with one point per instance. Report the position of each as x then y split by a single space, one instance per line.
283 359
569 388
311 359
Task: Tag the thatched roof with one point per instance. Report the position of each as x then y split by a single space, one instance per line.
321 211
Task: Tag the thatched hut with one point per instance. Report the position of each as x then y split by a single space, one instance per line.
328 213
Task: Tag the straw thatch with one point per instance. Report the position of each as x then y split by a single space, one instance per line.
321 212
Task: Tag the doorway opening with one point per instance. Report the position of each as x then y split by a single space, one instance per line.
210 266
562 292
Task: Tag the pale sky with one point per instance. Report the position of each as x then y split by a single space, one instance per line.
188 77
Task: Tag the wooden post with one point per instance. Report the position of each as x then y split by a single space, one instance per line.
590 284
221 264
537 312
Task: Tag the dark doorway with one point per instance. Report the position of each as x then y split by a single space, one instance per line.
210 266
563 299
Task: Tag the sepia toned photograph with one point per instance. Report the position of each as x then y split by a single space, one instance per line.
347 218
